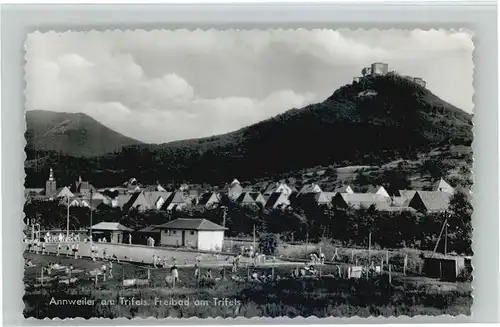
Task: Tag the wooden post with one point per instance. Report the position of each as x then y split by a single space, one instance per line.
349 272
387 257
248 271
446 237
149 274
199 276
356 261
95 280
369 247
382 264
254 246
307 242
67 221
405 264
440 235
390 274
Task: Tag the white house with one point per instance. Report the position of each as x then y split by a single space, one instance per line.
443 186
111 230
196 233
380 190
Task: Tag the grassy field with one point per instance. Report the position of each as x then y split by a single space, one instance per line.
344 254
327 296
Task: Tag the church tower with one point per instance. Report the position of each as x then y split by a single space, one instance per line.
50 184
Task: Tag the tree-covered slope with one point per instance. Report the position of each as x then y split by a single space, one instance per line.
372 121
71 133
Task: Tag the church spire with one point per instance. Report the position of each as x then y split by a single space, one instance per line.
51 175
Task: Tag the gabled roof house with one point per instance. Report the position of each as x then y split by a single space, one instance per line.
430 201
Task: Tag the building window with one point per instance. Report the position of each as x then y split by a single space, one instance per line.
192 232
174 232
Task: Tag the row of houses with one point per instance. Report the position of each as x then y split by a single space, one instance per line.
133 195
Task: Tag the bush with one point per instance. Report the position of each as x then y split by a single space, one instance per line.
268 243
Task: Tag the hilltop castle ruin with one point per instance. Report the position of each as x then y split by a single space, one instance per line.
381 69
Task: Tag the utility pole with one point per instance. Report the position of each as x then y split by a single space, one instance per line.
67 221
369 247
443 229
254 237
446 236
91 216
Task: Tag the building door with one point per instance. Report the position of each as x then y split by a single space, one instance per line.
183 238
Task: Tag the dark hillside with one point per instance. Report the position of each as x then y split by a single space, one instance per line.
370 122
71 133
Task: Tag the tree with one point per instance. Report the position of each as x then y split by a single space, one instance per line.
331 172
268 243
394 180
362 179
460 222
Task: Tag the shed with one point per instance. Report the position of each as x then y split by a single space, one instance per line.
445 267
195 233
147 232
110 230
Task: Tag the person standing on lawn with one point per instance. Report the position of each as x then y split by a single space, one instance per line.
43 247
196 271
175 273
110 269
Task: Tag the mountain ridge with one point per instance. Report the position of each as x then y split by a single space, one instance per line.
372 121
75 134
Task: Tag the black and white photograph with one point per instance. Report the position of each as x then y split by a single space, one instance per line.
248 173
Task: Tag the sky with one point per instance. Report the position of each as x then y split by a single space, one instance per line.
161 86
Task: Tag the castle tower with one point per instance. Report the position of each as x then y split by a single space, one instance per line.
50 184
379 68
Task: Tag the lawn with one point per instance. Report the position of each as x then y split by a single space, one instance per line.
327 296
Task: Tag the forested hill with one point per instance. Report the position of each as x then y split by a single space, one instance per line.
72 134
372 121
